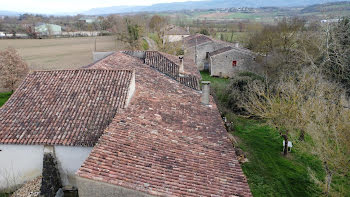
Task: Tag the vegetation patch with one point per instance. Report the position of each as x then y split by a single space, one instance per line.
145 45
3 98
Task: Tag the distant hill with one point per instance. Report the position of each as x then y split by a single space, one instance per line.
207 4
8 13
328 7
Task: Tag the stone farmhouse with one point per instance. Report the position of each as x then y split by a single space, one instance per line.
220 58
134 123
228 61
174 33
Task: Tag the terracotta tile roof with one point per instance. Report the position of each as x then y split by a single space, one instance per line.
71 107
169 65
189 65
191 41
175 30
166 142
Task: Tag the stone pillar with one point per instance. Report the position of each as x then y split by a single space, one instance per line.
205 92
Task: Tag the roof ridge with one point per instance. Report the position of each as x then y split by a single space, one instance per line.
79 69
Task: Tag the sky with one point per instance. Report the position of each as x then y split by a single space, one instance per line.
69 6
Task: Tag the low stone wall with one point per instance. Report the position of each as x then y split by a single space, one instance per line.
138 54
100 55
90 188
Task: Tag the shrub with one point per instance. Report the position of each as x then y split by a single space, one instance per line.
236 92
12 68
307 104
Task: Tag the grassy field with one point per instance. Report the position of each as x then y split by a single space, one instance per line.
61 53
4 97
269 173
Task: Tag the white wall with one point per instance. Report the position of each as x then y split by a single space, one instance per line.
69 159
19 163
22 163
175 38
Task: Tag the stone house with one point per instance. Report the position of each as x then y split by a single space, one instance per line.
130 124
174 33
219 58
228 61
197 48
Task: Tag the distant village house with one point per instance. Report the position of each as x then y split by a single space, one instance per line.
89 19
174 33
48 29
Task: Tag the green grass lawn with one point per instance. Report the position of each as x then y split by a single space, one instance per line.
4 97
206 77
269 173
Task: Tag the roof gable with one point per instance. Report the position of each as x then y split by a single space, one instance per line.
222 50
197 39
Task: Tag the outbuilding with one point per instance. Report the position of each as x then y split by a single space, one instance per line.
228 61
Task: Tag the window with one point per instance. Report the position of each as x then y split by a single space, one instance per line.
234 63
207 55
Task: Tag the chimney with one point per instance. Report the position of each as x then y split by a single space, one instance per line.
181 68
131 90
205 92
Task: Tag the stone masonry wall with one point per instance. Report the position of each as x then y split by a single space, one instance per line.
202 50
51 180
221 64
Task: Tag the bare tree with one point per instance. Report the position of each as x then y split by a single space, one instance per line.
157 23
12 68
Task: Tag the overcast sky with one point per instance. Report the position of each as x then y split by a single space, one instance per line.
66 6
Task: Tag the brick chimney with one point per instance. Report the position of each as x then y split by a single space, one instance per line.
205 92
181 68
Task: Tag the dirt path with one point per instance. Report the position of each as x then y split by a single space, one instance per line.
151 43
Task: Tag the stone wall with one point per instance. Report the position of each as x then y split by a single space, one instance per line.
51 180
138 54
100 55
221 65
202 50
90 188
